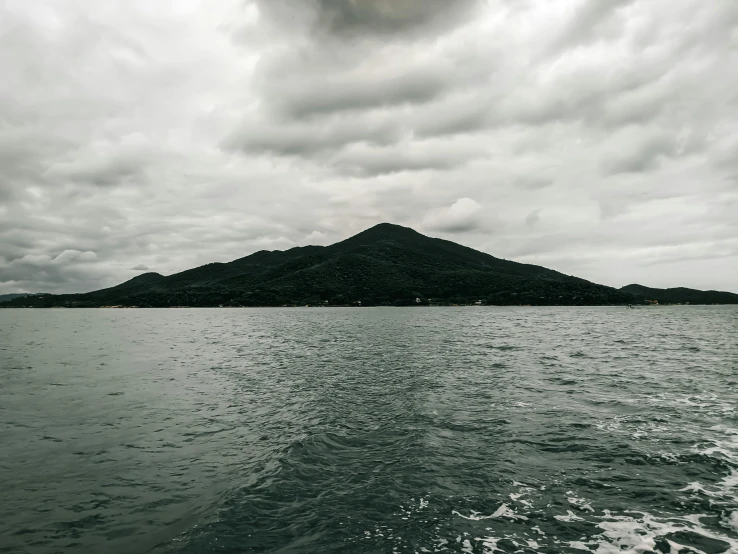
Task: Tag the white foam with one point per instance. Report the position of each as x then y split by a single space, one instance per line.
727 488
489 544
580 503
731 521
718 449
474 516
518 497
669 456
503 511
625 535
570 516
731 481
631 534
696 486
628 535
726 446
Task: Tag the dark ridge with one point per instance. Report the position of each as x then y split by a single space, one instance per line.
384 265
144 278
681 295
13 296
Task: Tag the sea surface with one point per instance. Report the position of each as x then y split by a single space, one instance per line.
477 429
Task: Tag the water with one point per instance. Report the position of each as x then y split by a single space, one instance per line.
369 430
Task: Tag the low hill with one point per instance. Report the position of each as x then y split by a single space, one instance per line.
681 295
384 265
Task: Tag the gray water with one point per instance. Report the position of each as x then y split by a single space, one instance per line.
369 430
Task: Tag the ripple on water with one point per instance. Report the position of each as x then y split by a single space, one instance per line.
419 430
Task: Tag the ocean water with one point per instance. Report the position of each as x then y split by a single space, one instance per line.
369 430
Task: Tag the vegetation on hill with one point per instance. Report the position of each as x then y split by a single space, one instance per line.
681 295
384 265
9 297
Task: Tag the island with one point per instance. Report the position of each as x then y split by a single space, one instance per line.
386 265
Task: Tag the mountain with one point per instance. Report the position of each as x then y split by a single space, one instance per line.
384 265
681 295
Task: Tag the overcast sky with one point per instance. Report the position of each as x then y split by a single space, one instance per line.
595 137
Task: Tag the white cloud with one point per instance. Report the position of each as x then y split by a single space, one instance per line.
464 215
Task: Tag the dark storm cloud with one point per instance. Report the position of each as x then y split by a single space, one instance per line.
354 91
347 18
286 138
107 172
453 93
32 271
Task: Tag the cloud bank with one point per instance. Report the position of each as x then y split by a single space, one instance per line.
595 137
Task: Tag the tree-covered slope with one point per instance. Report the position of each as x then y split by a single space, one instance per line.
9 297
384 265
681 295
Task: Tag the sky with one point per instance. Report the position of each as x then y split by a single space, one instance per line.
598 138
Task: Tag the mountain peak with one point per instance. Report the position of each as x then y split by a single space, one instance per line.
148 276
380 233
144 279
388 225
390 229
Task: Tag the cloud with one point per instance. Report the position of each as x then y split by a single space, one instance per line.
107 164
533 182
417 156
533 217
141 267
33 271
595 137
347 89
462 216
346 18
637 152
591 20
304 139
